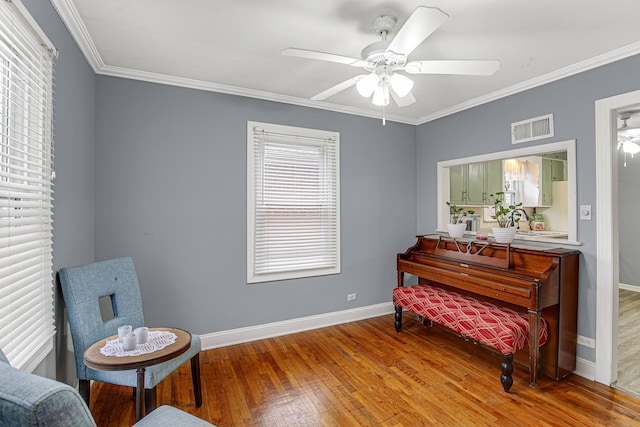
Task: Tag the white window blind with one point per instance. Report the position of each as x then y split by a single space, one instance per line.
26 173
293 227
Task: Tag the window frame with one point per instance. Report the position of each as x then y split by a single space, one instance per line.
325 143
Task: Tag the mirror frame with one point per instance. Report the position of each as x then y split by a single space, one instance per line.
569 146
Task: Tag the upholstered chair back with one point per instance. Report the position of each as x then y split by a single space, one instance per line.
84 286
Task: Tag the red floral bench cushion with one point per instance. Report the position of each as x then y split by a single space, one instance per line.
498 327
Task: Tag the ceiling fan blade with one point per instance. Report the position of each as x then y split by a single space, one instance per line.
404 101
323 56
471 67
422 22
338 88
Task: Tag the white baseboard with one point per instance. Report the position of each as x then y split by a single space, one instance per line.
628 287
275 329
586 369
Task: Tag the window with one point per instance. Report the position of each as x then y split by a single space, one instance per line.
567 214
26 172
293 218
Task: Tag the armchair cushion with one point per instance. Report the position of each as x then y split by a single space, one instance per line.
30 400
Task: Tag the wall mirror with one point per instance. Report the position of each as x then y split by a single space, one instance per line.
541 177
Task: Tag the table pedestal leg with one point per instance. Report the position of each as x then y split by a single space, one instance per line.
140 395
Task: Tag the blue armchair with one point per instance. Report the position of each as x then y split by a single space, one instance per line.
82 288
30 400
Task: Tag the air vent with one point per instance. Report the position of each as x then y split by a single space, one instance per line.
532 129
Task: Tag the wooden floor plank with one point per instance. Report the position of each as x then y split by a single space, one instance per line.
365 374
628 331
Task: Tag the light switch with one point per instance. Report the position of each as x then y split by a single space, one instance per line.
585 212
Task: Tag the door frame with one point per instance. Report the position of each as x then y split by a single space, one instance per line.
607 252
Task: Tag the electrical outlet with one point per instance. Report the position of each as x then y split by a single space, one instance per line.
587 342
352 297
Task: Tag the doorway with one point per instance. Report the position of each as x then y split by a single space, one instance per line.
629 270
607 253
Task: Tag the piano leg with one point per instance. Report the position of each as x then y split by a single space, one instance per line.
398 319
507 369
534 345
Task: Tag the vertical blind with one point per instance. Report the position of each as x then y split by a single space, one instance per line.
293 202
26 173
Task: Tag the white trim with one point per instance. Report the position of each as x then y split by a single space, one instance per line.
627 287
276 329
249 93
80 34
516 152
585 368
607 272
607 58
71 18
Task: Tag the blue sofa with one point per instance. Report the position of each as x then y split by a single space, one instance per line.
31 400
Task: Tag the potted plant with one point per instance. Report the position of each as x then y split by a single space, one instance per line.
457 227
507 217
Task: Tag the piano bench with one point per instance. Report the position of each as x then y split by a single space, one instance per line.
498 327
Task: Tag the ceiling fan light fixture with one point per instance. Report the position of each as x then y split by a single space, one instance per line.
368 84
401 85
630 147
384 59
628 137
381 95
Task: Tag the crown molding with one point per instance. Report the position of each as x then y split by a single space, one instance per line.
607 58
70 16
249 93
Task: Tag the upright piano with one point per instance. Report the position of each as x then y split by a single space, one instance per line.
542 282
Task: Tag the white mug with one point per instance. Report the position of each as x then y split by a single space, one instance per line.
123 331
129 342
142 334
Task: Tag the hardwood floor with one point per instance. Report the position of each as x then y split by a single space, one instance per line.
365 374
628 333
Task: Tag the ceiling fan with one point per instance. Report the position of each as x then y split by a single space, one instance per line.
628 137
384 60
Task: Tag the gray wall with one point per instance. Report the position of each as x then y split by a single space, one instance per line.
629 211
486 129
74 128
171 193
161 176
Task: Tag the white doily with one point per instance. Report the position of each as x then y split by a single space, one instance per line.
156 340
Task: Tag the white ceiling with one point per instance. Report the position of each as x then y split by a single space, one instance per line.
233 46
